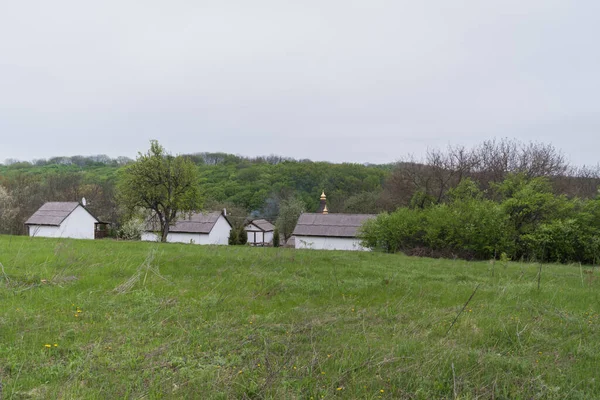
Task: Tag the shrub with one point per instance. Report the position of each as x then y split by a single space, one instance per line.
131 229
528 221
276 237
399 230
238 236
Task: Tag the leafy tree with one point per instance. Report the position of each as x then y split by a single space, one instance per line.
276 237
362 203
238 236
529 203
163 184
289 212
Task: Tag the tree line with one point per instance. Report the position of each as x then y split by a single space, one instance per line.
259 186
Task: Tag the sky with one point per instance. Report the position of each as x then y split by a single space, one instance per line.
356 81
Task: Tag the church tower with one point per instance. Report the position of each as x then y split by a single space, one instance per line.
323 204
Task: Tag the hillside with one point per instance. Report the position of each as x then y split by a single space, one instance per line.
253 186
106 319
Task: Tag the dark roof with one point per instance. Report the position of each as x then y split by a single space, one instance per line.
333 225
195 223
263 225
53 213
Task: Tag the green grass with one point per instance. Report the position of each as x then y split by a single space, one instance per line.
143 320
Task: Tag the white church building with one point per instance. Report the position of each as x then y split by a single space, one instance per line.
324 231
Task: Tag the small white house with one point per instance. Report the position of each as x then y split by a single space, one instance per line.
329 231
198 228
62 220
260 232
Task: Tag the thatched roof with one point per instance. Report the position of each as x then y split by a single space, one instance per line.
53 213
331 225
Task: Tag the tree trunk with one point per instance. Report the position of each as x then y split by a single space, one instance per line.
164 227
165 230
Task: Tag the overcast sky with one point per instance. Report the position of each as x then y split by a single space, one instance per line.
359 81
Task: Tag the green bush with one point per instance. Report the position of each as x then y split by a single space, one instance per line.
276 237
393 232
238 236
526 221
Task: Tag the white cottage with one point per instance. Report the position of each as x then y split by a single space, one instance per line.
62 220
198 228
260 232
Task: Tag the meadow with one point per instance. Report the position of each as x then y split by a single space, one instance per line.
110 319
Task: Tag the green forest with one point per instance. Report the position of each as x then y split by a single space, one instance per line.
502 198
254 186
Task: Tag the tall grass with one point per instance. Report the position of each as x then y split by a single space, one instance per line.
104 319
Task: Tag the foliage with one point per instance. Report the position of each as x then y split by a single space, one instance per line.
276 237
238 236
393 232
289 212
527 222
526 179
8 211
244 186
132 229
165 185
363 203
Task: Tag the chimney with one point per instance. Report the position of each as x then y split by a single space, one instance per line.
224 212
323 204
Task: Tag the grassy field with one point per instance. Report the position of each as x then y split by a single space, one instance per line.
105 319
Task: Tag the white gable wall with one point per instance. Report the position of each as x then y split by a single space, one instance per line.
78 225
220 232
261 237
253 230
328 243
